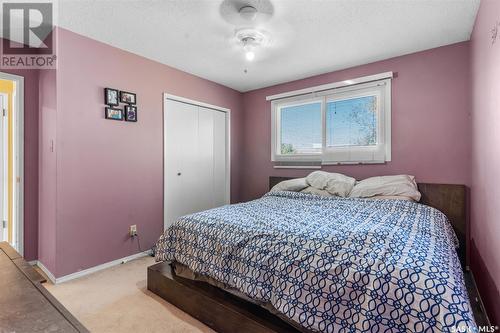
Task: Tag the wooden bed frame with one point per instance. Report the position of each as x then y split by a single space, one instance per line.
225 312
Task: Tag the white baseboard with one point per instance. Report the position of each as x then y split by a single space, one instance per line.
44 269
87 271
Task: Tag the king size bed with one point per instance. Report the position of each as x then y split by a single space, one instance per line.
331 264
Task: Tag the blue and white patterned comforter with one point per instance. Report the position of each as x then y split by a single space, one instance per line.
331 264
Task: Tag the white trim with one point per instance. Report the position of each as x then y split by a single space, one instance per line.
18 115
167 96
388 120
228 156
90 270
5 166
44 269
193 102
333 85
312 167
353 163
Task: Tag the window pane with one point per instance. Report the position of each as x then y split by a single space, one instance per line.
352 122
301 129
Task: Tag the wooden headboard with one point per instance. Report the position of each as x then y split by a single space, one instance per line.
449 199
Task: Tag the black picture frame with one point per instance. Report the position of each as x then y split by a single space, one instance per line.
130 113
108 99
128 97
113 113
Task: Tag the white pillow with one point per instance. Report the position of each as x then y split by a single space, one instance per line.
400 185
294 185
335 183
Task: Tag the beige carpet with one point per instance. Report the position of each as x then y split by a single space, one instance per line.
117 300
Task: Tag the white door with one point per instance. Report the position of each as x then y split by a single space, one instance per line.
220 179
195 169
3 168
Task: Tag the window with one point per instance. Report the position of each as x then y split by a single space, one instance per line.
341 125
351 122
300 129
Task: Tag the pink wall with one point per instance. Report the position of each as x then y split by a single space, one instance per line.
30 160
485 192
109 173
430 121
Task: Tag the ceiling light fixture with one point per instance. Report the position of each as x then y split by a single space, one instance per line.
249 48
251 39
250 55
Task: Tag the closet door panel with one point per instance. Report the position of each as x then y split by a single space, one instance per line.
195 159
205 166
181 146
219 158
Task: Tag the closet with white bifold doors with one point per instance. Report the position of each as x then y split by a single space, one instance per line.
196 157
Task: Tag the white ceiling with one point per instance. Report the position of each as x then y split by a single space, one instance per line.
307 37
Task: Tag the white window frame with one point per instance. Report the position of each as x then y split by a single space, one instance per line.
380 153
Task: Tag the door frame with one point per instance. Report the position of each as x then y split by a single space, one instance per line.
168 96
4 162
18 197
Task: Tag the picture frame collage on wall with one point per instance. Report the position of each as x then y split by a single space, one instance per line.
113 98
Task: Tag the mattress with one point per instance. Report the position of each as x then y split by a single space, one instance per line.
331 264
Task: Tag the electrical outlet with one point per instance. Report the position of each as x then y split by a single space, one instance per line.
132 230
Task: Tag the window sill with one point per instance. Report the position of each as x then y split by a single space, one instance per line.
297 165
311 167
353 163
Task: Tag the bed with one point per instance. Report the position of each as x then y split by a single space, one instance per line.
333 264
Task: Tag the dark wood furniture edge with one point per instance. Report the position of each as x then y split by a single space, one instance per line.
214 307
475 300
9 251
62 310
21 264
37 279
29 271
450 199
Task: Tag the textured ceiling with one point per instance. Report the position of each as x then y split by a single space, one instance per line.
307 37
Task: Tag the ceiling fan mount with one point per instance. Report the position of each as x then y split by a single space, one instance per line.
248 13
244 12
